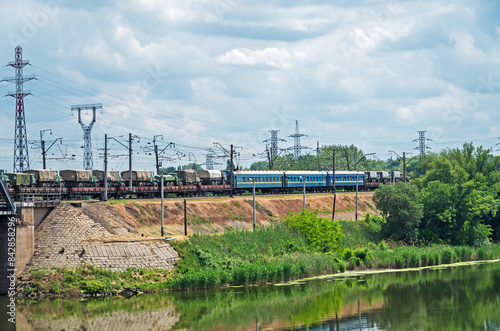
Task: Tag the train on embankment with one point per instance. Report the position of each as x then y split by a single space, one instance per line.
78 184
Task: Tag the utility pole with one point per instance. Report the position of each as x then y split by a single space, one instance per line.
270 158
44 152
106 167
106 159
21 159
404 167
88 163
231 174
156 153
162 203
334 190
43 155
130 162
304 193
43 147
231 153
356 170
253 180
404 163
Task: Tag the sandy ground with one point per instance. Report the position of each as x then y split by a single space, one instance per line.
140 219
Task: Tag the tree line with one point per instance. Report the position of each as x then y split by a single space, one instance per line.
454 197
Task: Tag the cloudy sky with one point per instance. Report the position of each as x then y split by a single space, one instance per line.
227 71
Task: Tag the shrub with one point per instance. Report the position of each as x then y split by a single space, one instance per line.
96 286
383 245
322 234
365 255
55 288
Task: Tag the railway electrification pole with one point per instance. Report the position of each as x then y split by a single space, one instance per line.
160 153
131 138
333 184
156 157
231 154
106 167
45 150
405 164
21 158
357 178
326 168
42 144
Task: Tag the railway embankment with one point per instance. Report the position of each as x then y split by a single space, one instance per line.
126 233
123 234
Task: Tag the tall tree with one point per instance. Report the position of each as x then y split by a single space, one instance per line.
402 210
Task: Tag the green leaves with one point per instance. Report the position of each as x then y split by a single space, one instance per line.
322 234
402 209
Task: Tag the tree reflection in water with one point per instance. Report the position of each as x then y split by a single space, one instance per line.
457 298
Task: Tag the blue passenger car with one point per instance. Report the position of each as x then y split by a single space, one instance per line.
313 179
347 179
264 180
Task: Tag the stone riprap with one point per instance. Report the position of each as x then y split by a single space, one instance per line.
68 238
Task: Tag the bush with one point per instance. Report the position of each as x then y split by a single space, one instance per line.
96 286
365 255
322 234
383 246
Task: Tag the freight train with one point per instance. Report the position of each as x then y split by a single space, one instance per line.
75 184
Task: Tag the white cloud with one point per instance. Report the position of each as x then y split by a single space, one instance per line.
273 57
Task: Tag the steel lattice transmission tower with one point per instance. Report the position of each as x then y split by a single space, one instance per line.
210 159
88 163
297 146
21 158
275 151
421 142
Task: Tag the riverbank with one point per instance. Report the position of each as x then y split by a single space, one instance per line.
464 291
89 281
271 254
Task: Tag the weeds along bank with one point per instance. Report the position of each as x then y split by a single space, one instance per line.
302 245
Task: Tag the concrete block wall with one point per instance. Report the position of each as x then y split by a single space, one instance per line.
68 238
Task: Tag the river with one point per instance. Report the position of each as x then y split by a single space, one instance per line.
445 298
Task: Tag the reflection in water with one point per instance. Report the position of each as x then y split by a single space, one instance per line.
459 298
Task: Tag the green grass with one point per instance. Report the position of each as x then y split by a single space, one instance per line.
87 279
269 254
301 246
359 233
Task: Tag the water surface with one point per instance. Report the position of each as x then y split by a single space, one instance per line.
446 298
